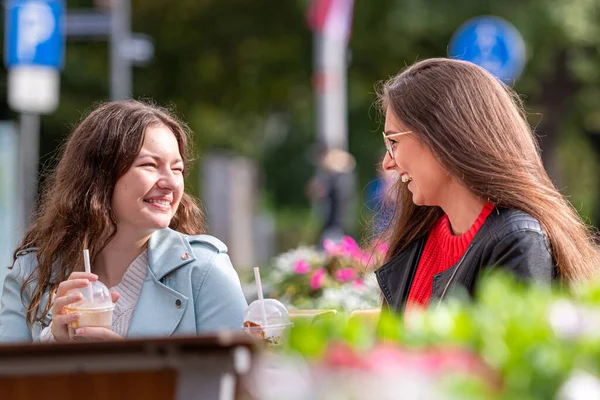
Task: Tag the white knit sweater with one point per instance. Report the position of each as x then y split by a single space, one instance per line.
129 288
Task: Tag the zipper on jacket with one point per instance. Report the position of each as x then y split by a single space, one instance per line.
454 274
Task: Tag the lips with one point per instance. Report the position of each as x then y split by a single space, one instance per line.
165 203
162 203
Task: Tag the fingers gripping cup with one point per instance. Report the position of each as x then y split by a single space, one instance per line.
266 320
95 310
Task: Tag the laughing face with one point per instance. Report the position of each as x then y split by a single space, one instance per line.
415 164
147 196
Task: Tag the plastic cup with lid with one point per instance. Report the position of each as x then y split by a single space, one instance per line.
95 309
267 320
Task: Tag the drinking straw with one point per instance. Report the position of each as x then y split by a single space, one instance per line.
260 295
88 269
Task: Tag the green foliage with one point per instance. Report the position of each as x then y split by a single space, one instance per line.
579 170
509 327
230 66
296 225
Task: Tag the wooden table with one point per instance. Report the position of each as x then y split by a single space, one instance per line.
206 367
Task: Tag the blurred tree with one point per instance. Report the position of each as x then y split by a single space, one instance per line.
560 82
240 73
229 66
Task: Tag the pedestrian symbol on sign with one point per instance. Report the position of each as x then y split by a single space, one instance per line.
491 43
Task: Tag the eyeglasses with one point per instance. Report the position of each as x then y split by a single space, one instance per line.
388 144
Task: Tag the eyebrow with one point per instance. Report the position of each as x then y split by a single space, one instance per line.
157 158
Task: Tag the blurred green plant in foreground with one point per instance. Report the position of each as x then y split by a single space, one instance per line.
516 341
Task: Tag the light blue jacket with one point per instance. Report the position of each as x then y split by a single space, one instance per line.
190 287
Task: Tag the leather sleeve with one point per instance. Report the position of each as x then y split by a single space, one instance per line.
526 254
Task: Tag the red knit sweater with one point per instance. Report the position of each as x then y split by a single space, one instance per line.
442 250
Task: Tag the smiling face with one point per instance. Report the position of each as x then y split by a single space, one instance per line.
147 196
414 162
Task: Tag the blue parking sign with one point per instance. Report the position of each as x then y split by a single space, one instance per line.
34 33
492 43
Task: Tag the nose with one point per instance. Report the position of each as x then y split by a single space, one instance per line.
169 180
388 162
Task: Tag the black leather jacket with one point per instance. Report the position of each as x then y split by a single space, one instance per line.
509 239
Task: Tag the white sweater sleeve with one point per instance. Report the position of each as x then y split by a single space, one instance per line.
46 335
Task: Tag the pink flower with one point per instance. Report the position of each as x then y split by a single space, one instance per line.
316 280
350 248
331 248
382 248
302 267
388 357
385 357
341 355
358 283
347 247
374 257
368 258
345 274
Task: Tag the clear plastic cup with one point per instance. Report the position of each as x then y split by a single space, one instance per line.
95 312
270 325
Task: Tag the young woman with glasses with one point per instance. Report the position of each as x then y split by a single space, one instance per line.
473 194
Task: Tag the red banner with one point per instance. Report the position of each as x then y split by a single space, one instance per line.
331 17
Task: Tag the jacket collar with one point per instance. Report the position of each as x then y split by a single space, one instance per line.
160 307
395 276
167 251
489 222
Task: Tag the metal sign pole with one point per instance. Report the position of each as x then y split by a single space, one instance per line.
29 139
120 65
9 153
34 55
335 171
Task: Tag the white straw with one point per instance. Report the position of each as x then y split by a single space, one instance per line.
88 269
260 296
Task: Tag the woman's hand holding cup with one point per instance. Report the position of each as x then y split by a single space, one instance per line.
61 319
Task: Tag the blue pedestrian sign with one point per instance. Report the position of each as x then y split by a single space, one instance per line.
34 34
492 43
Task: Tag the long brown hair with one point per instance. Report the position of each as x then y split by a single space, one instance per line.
75 208
477 128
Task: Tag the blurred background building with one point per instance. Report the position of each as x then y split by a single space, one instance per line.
246 76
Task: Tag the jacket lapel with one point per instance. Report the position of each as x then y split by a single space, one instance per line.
395 277
459 277
167 251
161 308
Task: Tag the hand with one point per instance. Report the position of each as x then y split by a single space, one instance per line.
60 320
90 333
95 333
